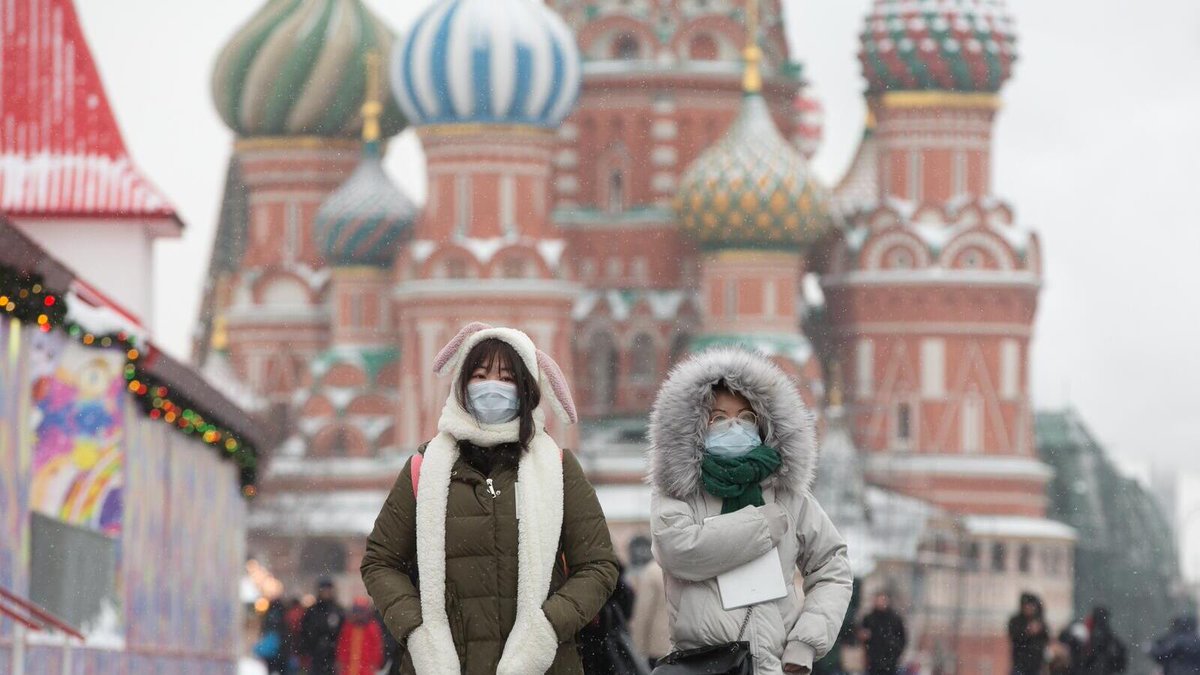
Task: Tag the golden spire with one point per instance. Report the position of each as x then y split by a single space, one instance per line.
835 385
372 108
752 76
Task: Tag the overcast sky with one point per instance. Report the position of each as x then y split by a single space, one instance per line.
1098 147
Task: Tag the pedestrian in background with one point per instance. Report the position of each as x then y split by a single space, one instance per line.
605 646
273 645
1093 646
319 630
1029 636
1178 652
882 631
649 624
360 643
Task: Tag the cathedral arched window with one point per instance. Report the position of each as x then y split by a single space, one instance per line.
999 557
603 371
1025 559
703 48
644 366
323 557
616 191
679 349
626 48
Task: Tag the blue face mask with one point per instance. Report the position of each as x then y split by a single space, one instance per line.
493 401
732 438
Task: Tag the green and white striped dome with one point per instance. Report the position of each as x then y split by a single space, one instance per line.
367 219
297 68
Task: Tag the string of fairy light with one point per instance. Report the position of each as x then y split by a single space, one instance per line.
24 297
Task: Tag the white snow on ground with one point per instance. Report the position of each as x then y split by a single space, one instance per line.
251 666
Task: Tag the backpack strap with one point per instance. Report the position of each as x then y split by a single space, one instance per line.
414 468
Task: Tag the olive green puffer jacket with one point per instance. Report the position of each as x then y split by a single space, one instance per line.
481 564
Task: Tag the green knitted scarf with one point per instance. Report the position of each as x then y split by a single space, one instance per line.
737 479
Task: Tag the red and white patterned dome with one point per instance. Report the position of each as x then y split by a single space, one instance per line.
809 129
938 45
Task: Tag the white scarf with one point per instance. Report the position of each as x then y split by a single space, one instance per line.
532 644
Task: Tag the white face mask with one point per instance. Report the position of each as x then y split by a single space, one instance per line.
493 401
732 438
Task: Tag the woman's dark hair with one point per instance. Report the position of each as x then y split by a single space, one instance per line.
529 394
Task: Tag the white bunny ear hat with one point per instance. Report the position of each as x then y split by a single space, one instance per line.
549 376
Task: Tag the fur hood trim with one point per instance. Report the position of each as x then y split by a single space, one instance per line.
679 420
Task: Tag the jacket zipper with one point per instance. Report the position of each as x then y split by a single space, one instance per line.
492 489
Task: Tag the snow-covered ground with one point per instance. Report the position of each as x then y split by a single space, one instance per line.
251 666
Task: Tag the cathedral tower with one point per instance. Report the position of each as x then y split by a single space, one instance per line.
290 83
931 295
661 84
486 82
753 208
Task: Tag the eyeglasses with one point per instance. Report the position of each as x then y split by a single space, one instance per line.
744 416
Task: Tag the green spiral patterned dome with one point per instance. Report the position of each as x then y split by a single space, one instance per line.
752 189
367 219
297 68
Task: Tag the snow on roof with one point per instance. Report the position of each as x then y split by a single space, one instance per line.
552 250
346 512
991 467
898 523
422 249
61 152
1019 527
795 347
96 313
664 305
858 189
339 467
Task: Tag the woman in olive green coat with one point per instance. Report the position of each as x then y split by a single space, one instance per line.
495 557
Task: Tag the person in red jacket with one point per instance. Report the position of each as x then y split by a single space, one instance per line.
360 644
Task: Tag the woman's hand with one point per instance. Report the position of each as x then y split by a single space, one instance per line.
793 668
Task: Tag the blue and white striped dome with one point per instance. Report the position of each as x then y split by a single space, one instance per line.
487 62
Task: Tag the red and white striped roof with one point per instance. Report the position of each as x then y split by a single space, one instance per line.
61 153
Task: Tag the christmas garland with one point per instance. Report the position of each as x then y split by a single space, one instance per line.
24 298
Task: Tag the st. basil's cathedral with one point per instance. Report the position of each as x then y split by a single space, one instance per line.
628 182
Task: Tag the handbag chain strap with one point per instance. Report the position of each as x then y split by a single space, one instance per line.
745 622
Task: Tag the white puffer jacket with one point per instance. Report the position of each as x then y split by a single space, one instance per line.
798 628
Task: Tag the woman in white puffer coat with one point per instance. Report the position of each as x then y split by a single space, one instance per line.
730 436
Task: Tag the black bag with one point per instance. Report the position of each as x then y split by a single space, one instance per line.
731 658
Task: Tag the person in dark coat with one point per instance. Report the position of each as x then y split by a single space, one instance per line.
274 645
319 630
605 646
882 632
1093 646
1178 652
1029 636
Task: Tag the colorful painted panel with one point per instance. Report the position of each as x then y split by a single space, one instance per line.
14 461
78 458
184 544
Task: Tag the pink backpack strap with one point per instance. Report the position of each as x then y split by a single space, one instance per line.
415 469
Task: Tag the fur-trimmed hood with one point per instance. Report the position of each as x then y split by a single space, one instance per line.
679 420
